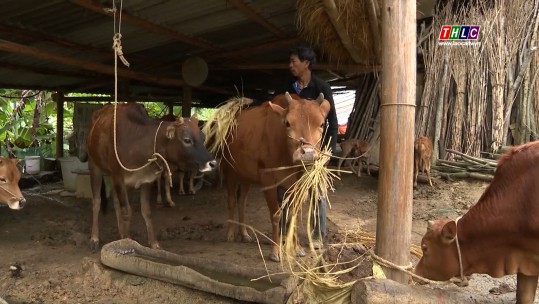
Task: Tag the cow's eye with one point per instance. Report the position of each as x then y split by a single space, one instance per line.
2 180
424 248
187 141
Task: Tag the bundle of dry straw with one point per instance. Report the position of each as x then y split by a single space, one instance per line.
221 123
316 27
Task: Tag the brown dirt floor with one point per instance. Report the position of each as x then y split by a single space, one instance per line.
49 240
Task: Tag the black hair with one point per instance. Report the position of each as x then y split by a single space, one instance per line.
305 53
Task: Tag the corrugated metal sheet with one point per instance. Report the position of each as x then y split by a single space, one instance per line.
344 103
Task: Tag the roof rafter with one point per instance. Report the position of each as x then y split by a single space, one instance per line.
252 50
145 24
249 12
12 47
358 68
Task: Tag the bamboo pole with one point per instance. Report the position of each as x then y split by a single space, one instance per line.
394 219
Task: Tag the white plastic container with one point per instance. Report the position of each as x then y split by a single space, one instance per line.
68 165
32 164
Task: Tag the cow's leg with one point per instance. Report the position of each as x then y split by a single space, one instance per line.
231 187
96 178
242 200
159 197
526 286
367 162
192 175
147 214
275 217
168 179
359 165
181 177
122 207
339 165
427 166
416 171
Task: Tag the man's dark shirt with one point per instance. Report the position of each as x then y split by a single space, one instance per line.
315 87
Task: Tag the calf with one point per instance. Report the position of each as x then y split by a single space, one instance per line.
10 193
355 148
499 235
422 157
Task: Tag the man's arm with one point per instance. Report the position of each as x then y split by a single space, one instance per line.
333 125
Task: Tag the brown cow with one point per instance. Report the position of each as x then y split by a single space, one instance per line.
10 193
422 157
354 148
279 133
499 235
138 138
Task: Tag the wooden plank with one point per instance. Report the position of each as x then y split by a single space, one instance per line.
394 218
358 68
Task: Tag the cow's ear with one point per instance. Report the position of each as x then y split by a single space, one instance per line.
277 109
325 106
449 232
171 131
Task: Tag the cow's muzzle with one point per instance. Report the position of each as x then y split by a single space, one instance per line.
208 166
305 153
17 203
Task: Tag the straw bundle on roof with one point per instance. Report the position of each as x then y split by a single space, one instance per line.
315 26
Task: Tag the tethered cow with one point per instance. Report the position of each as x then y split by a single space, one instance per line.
139 138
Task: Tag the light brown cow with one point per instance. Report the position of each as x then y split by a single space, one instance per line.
10 193
276 134
422 157
138 138
354 148
499 235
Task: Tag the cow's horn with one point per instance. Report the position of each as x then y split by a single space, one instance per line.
288 97
320 98
430 224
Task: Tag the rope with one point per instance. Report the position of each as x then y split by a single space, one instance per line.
13 195
463 280
118 52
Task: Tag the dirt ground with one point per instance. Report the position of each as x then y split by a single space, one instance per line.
48 239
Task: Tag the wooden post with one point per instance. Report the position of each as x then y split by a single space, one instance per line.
59 124
398 79
187 100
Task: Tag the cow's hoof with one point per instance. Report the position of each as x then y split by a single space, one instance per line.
230 238
181 192
300 252
274 257
94 245
171 204
192 192
155 245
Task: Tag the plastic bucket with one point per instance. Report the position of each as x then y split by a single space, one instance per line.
68 165
32 164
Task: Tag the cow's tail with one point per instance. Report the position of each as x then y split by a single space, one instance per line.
104 199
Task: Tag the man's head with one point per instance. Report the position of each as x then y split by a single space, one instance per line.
302 59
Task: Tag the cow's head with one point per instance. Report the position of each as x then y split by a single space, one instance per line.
186 147
304 120
440 258
9 183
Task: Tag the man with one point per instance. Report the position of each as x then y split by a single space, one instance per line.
309 86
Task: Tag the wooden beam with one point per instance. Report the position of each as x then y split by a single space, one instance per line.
397 116
252 50
333 14
252 14
142 23
12 47
59 124
187 101
43 71
358 68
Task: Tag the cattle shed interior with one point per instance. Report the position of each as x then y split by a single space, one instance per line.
205 51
